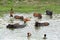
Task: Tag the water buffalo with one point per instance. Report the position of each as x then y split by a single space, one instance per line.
18 17
14 26
37 15
11 12
49 13
41 24
26 19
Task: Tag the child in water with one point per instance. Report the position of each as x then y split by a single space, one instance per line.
44 36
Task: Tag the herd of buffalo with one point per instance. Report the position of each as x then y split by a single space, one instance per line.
37 24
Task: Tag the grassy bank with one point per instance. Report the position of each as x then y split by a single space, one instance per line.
40 7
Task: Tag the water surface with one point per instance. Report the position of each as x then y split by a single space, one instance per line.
52 31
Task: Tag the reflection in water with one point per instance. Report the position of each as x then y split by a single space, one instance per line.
28 38
37 28
44 39
11 29
49 17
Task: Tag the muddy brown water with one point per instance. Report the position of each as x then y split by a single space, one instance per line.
52 31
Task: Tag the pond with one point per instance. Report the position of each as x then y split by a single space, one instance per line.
52 31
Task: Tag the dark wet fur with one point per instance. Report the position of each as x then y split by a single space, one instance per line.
49 13
15 26
40 24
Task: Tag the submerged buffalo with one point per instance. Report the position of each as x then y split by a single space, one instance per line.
14 26
41 24
26 20
19 17
37 15
49 13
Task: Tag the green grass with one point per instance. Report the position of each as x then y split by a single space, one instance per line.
54 8
41 7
